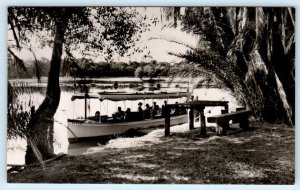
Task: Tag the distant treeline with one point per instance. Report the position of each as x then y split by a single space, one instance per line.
30 69
87 68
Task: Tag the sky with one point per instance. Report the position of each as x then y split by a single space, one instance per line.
157 41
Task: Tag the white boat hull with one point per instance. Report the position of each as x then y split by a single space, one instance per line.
90 129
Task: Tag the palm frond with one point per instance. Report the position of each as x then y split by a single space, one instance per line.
242 18
290 43
232 16
173 40
16 38
260 23
212 63
292 16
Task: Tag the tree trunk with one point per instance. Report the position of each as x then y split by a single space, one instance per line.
260 46
272 53
263 90
41 125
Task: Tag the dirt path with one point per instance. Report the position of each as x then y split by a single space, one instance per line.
263 155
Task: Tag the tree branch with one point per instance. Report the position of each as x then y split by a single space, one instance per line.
173 41
19 62
291 15
14 32
38 71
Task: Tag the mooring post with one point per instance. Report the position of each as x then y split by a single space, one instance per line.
85 88
225 125
203 123
191 118
244 123
167 120
226 109
32 111
85 106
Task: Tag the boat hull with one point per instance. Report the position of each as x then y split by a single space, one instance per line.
90 129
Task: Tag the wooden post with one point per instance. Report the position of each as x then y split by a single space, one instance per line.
225 126
203 123
191 118
199 117
32 111
85 106
100 113
226 108
244 123
85 88
167 121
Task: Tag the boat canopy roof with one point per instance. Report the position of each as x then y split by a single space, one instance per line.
119 96
82 96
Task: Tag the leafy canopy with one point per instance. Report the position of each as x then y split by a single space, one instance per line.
91 31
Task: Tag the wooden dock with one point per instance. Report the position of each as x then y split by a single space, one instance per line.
198 105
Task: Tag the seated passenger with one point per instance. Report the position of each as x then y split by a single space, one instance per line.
119 115
140 107
155 109
163 108
192 98
128 115
97 115
147 112
140 111
176 109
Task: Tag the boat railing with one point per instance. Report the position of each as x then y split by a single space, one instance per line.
132 116
76 120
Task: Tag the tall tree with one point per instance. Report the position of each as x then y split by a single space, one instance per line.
251 50
101 30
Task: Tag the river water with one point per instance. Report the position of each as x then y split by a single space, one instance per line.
69 109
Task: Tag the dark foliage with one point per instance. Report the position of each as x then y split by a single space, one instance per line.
17 116
250 49
88 68
101 30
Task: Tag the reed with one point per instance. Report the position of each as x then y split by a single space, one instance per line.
21 104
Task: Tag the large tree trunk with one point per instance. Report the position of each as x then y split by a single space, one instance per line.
264 91
283 60
259 46
272 55
41 132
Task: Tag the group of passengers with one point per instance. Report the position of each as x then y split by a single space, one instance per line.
147 113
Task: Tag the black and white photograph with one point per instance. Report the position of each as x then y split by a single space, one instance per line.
151 95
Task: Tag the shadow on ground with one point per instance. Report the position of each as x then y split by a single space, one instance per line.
262 155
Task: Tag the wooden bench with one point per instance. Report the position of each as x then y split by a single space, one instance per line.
222 120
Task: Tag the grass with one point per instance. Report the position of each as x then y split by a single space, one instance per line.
265 154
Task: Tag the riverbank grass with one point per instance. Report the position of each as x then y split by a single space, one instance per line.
265 154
